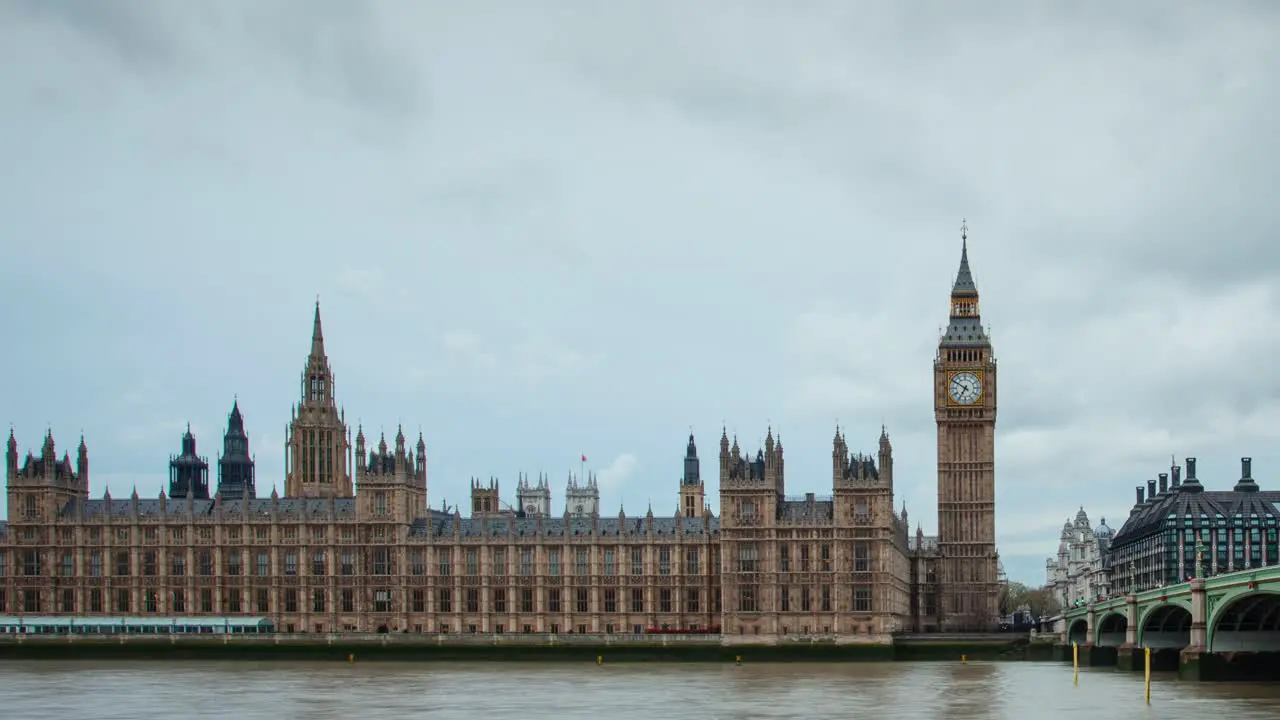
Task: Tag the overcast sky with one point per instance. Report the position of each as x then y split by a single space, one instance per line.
540 229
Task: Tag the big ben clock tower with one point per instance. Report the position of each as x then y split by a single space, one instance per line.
964 403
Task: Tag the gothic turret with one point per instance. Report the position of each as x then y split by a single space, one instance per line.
44 484
391 482
886 456
11 455
236 466
534 499
692 498
692 471
582 497
188 472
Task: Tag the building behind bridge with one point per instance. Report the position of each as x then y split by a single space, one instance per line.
1173 518
1082 568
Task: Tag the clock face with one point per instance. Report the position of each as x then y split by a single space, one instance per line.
965 388
579 508
531 508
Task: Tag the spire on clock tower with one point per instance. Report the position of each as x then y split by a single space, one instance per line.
964 286
965 326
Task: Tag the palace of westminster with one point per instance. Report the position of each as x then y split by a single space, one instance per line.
353 545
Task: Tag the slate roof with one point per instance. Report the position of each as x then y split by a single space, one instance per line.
964 287
443 525
807 510
287 508
1190 499
922 542
437 523
965 331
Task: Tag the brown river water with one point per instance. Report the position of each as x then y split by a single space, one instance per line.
68 690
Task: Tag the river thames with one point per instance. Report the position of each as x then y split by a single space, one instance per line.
138 690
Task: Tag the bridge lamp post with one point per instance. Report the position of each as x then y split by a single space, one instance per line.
1200 550
1133 577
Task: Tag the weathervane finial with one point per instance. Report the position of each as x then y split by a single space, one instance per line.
964 229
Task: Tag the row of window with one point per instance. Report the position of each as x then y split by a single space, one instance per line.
748 513
205 533
1170 558
859 559
803 600
382 561
237 600
1219 520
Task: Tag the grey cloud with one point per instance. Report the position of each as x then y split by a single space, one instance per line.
135 33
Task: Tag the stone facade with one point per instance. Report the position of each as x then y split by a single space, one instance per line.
354 546
1080 571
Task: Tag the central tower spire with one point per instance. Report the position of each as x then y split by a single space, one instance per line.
317 334
318 446
963 288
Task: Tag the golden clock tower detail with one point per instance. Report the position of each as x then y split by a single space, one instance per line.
964 401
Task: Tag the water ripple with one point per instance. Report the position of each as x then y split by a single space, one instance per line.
247 691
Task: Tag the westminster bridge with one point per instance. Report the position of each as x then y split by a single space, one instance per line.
1224 627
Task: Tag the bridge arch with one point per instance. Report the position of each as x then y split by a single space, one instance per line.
1246 620
1112 627
1166 625
1078 632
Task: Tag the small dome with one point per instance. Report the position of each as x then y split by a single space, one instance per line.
1103 530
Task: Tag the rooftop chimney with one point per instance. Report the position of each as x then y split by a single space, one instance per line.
1151 491
1139 502
1177 477
1246 483
1191 484
1164 483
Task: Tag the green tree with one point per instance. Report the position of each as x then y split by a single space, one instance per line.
1038 601
1042 602
1012 597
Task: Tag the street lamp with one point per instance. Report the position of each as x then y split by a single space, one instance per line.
1200 550
1133 577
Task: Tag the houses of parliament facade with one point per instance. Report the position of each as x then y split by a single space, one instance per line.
352 544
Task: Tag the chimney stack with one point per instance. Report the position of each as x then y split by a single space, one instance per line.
1164 483
1139 489
1246 483
1151 491
1192 483
1177 476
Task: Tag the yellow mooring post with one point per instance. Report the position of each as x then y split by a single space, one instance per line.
1147 681
1075 663
964 659
737 660
599 659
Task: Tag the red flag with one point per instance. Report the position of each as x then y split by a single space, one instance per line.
584 458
